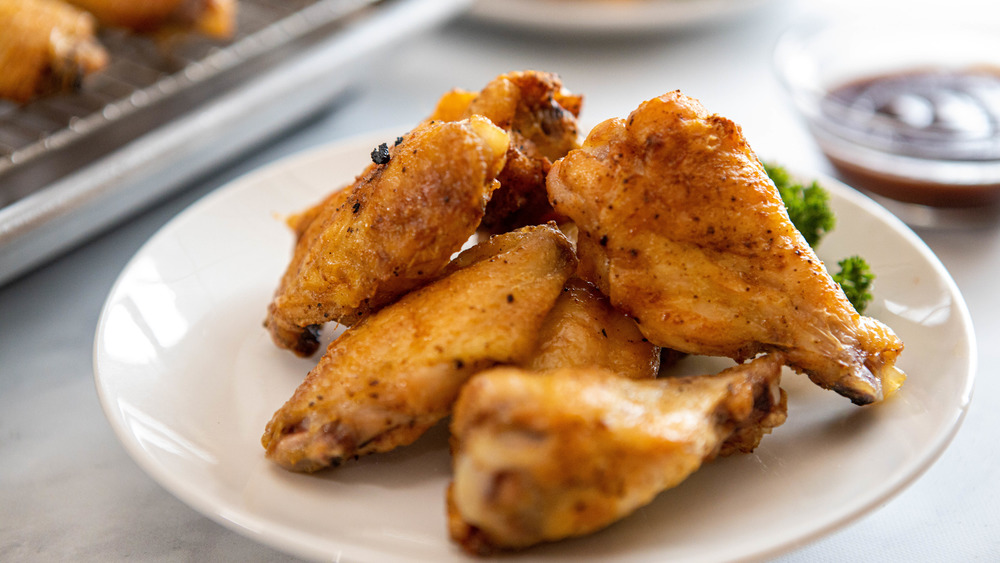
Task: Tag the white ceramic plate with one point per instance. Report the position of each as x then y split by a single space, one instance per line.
188 378
609 16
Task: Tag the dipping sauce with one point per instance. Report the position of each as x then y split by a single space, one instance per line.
937 130
926 114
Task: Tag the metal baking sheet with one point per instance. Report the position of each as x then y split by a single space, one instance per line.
160 115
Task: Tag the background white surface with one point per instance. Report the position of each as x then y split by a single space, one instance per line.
68 491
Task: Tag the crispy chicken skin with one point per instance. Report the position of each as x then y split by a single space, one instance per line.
681 227
583 329
45 47
299 222
214 18
542 457
394 229
541 117
388 379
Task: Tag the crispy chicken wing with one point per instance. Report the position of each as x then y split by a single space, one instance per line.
682 229
45 47
583 329
388 379
215 18
541 457
540 116
394 229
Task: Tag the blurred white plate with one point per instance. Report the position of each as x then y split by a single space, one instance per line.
610 16
188 378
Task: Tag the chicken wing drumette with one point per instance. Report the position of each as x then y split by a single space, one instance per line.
540 457
394 229
681 227
392 376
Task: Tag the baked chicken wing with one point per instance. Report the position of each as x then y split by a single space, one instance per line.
214 18
392 376
46 46
394 229
583 329
681 227
541 457
541 117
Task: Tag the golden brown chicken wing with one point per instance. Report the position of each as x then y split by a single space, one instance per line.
583 329
45 47
682 229
541 457
393 230
388 379
541 117
215 18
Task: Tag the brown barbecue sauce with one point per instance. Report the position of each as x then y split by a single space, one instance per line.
937 115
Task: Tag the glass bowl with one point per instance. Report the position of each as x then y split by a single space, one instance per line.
910 112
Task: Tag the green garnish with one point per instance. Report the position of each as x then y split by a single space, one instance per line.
808 207
856 278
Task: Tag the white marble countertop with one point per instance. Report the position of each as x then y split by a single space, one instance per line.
68 490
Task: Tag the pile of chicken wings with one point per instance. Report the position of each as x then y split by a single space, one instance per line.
595 265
